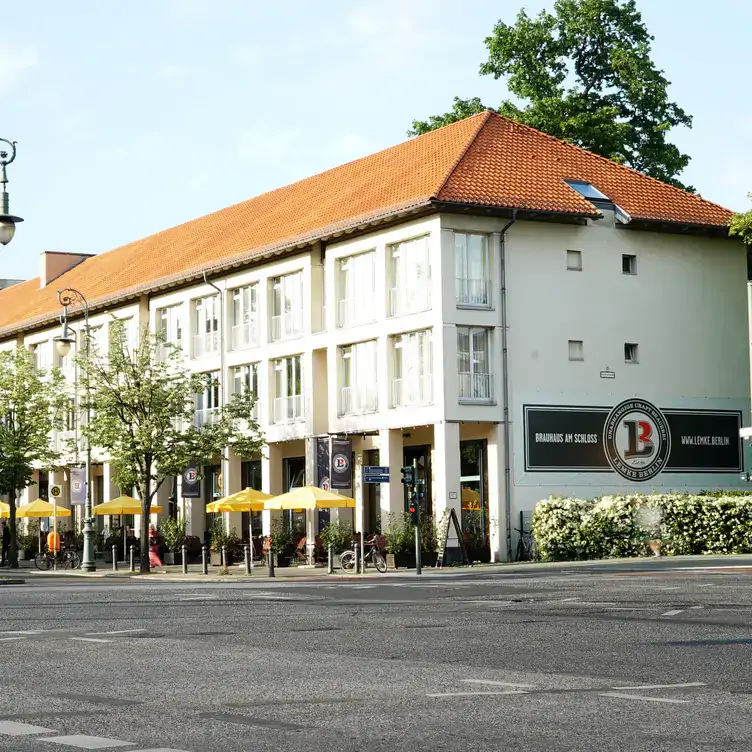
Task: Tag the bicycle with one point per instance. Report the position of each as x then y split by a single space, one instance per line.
68 558
527 550
347 558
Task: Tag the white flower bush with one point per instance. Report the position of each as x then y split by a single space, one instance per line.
619 526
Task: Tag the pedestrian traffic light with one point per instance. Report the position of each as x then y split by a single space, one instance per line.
408 475
413 508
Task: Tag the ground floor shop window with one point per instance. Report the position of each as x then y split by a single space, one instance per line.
250 473
474 520
294 477
212 491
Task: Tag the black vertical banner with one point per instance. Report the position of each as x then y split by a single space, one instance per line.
323 478
191 483
341 463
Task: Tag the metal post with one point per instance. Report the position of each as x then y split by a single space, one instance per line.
133 558
185 559
356 551
330 559
114 558
204 561
270 557
223 557
362 551
418 569
247 552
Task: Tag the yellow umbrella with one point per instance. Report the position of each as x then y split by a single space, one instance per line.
41 508
470 499
123 505
4 509
247 500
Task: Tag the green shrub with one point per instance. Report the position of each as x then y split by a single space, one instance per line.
558 528
339 534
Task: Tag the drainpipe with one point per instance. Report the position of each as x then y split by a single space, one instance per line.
505 388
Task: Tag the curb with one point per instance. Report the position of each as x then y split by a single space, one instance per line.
11 581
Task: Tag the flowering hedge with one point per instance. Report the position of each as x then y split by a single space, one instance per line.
618 526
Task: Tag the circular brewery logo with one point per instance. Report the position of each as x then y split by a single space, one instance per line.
637 440
190 475
325 484
340 462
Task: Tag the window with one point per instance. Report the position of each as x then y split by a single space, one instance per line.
356 295
630 352
472 278
96 339
473 367
127 337
170 328
575 350
245 317
287 306
245 379
288 393
410 277
574 261
206 313
629 264
359 386
588 190
412 368
41 355
208 401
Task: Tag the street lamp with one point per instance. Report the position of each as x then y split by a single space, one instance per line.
63 343
7 221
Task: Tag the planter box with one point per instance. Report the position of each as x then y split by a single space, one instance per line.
407 561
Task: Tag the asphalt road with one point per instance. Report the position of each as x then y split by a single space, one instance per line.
585 658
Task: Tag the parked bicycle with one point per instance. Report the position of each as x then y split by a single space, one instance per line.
68 558
527 550
373 554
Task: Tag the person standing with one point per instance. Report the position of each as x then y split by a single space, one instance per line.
5 542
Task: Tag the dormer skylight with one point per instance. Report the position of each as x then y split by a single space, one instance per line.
588 190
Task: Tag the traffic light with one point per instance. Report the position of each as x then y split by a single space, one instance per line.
413 508
408 475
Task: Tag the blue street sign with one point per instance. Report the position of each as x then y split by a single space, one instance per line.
375 474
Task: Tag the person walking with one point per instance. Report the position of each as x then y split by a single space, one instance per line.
5 543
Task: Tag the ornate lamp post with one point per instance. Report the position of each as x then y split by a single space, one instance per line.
63 345
7 221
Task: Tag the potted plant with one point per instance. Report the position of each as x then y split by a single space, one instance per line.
282 546
339 534
173 535
400 542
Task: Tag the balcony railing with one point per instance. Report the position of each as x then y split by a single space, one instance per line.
413 391
356 400
287 325
245 336
165 348
475 387
207 416
352 312
472 292
404 300
288 409
205 344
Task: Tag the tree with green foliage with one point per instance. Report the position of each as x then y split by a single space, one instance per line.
741 225
143 417
584 74
31 406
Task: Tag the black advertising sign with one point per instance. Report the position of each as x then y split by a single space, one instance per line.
191 486
323 478
635 439
341 464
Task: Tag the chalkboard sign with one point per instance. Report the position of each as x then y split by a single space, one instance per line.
444 536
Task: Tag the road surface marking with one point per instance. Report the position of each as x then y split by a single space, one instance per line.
13 728
664 686
159 749
694 608
88 639
19 637
27 631
86 742
498 683
477 694
674 612
119 631
362 587
623 696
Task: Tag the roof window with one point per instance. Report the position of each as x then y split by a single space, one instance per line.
588 190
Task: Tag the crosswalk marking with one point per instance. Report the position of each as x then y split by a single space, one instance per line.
498 683
89 639
159 749
624 696
14 728
85 742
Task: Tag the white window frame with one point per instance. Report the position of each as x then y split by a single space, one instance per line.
472 284
246 377
474 365
287 306
206 317
244 307
410 276
631 262
288 400
576 348
412 368
574 260
356 289
209 401
359 392
631 353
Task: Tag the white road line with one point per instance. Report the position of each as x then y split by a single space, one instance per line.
27 631
14 728
160 749
18 637
88 639
274 597
664 686
695 608
476 694
623 696
674 612
86 742
119 631
498 683
363 587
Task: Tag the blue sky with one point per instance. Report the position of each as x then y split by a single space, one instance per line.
136 116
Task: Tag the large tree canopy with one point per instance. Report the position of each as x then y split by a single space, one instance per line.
584 74
741 225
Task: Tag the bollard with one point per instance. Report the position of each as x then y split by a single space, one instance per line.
270 556
204 562
356 551
223 558
133 558
247 550
185 559
330 559
114 558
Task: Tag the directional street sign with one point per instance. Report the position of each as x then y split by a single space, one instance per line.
375 474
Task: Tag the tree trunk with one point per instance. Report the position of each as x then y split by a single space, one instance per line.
145 507
13 548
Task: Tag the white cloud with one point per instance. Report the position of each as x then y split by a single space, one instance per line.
14 61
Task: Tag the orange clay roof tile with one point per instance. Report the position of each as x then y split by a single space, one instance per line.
485 160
